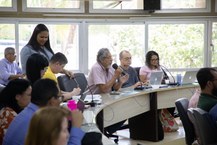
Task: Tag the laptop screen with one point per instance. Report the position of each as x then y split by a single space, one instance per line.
156 78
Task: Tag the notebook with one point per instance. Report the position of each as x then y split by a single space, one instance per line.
156 78
189 77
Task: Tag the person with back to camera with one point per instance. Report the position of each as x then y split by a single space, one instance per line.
39 43
56 65
13 99
56 133
45 93
9 68
36 66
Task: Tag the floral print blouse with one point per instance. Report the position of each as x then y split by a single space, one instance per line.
6 116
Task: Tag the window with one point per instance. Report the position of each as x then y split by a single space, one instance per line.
7 37
178 45
214 45
74 6
63 38
8 5
117 37
136 6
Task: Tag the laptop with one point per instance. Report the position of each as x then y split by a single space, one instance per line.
189 77
156 78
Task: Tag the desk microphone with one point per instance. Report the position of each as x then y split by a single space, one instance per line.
115 66
174 81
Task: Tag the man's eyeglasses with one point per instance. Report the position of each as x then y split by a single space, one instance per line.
127 58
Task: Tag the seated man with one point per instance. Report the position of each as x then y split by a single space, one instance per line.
125 60
207 79
9 68
103 78
44 93
56 65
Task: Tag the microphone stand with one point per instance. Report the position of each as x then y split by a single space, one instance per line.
174 82
92 103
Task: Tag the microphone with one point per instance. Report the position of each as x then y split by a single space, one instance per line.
169 73
115 66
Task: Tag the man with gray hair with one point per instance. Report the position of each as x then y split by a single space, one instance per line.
9 68
102 77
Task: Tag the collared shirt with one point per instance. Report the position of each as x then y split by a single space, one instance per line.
17 130
99 75
50 75
7 69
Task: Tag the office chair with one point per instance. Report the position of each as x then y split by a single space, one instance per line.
206 126
67 84
137 69
182 107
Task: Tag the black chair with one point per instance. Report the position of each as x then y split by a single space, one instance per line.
182 107
137 69
67 84
206 127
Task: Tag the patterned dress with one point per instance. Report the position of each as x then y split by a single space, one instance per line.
6 116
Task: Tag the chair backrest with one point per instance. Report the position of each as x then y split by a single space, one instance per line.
191 116
206 126
137 69
67 84
182 107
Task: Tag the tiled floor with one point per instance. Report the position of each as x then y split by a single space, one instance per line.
172 138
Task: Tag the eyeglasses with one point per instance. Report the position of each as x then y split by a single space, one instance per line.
127 58
157 59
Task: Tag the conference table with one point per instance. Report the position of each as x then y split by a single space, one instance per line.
140 107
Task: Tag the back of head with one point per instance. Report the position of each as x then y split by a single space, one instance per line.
40 133
8 94
43 90
102 53
34 65
148 56
59 57
204 75
33 40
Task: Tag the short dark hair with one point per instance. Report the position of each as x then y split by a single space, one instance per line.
204 75
59 57
43 90
8 94
148 58
33 40
102 53
35 63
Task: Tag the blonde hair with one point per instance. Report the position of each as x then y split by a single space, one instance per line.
45 126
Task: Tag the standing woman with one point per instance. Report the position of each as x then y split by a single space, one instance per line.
13 98
38 43
152 64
